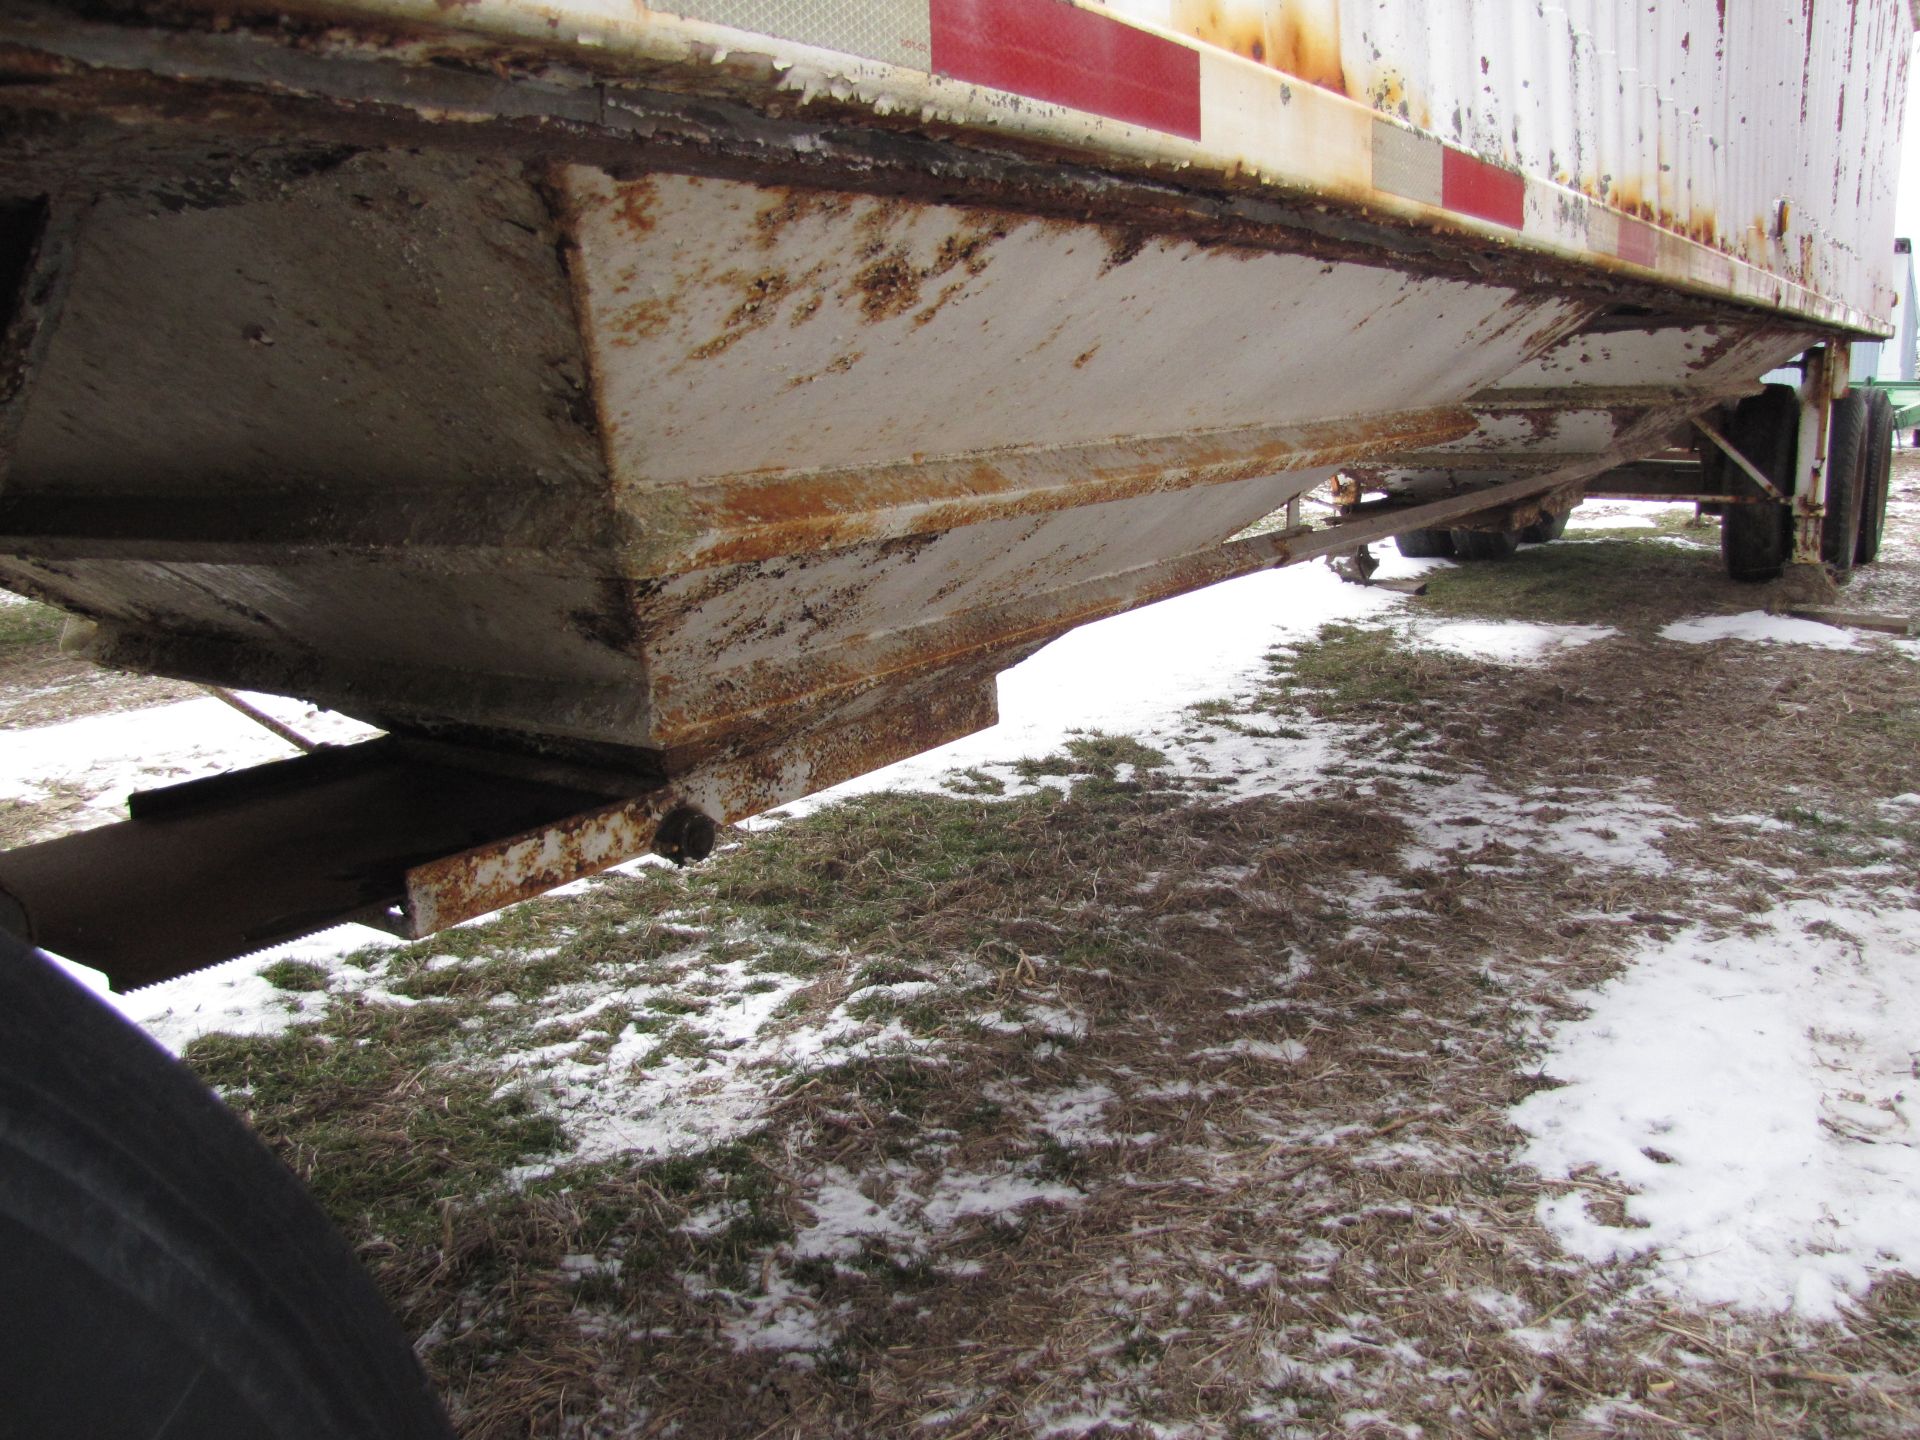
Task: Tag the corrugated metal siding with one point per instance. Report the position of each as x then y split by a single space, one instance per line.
1703 116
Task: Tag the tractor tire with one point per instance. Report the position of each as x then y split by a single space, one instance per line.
165 1275
1756 539
1425 544
1545 529
1877 475
1847 441
1485 544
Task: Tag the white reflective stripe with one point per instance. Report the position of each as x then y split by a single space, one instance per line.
1408 165
894 31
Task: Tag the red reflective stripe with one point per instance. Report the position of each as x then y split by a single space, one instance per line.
1473 187
1637 243
1077 58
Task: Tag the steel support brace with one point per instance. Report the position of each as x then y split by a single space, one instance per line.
1727 448
1823 379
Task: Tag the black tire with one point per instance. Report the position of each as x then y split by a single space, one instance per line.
1547 528
1847 440
1877 475
1757 539
1425 544
1485 544
165 1276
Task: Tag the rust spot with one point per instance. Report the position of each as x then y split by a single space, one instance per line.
1300 37
642 321
888 286
874 225
806 310
635 200
839 365
967 249
1309 47
1080 360
764 290
790 206
947 292
1124 243
759 303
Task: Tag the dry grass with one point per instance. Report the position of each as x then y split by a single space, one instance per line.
1290 1206
41 686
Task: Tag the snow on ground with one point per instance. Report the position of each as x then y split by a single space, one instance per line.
106 756
1759 1091
1761 628
1786 1180
1626 514
1137 674
1509 642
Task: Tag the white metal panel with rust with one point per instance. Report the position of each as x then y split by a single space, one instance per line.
1742 150
744 387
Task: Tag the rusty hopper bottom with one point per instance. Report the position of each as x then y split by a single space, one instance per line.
680 481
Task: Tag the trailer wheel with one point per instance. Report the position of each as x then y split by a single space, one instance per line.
1876 472
1546 528
1847 440
1485 544
165 1276
1424 544
1757 539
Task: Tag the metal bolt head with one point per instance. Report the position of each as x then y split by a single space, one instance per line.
685 835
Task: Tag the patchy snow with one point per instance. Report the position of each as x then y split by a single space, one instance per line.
235 1000
1138 674
1510 642
1286 1052
1757 1092
106 756
1752 1092
1762 628
1621 828
1625 514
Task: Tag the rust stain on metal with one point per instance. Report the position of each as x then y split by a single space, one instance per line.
642 320
446 891
791 205
1080 360
1280 34
890 283
839 365
635 199
760 299
754 518
1124 243
887 286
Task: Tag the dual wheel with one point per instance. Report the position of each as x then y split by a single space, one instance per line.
1756 535
1478 544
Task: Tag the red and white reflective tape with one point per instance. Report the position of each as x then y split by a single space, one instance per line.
1047 50
1097 64
1417 167
1621 236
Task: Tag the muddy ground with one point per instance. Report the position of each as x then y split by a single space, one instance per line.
1157 1087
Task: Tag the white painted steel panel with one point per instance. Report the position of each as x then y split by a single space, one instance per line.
1706 118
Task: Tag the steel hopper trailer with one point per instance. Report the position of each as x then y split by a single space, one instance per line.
646 417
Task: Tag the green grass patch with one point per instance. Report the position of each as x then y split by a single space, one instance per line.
1097 755
299 975
1598 582
975 782
366 1108
1351 669
29 625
